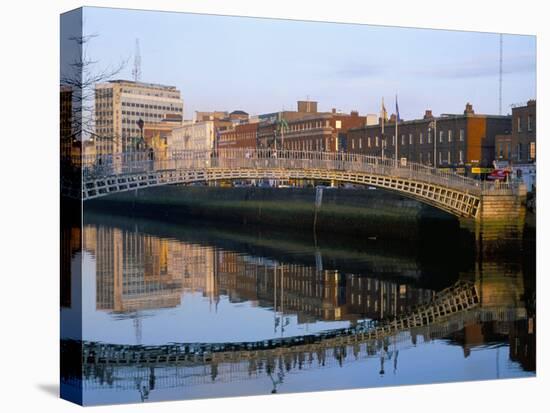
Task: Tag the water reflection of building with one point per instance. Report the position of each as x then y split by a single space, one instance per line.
501 288
135 271
138 272
70 245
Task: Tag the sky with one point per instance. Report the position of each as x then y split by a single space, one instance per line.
264 65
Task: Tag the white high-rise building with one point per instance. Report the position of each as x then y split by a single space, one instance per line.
120 104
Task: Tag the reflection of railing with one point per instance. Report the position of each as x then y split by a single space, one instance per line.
172 375
459 298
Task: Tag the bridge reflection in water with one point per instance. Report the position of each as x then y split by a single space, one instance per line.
381 314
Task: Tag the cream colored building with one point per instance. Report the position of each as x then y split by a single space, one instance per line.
120 104
192 136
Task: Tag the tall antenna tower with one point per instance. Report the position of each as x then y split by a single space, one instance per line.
500 78
136 71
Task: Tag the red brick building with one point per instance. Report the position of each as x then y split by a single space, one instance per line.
519 146
320 132
242 136
454 140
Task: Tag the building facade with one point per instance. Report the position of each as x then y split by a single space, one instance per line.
456 141
307 129
320 132
192 136
120 104
241 136
519 146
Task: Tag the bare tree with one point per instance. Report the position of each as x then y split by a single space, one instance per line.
81 76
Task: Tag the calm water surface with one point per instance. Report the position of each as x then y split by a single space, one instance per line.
152 283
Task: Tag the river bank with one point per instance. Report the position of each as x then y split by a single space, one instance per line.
363 213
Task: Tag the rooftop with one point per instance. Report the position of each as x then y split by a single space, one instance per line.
143 84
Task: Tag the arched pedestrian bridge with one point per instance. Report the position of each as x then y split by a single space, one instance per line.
458 195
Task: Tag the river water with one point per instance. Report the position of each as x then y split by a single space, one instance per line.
149 283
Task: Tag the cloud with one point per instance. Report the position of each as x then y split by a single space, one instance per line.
354 70
480 67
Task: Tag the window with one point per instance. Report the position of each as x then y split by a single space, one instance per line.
460 156
429 136
353 144
410 138
532 153
376 141
519 152
421 138
360 143
450 135
402 139
440 136
461 135
368 141
420 157
449 157
519 123
439 156
393 140
529 123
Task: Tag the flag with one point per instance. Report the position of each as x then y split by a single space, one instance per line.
383 114
397 109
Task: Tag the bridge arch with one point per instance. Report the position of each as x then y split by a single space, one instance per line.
455 194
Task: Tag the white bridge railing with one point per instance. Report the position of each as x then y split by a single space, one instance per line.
104 166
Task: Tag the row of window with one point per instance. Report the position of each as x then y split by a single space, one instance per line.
519 123
318 144
143 92
233 136
141 114
312 125
448 137
147 106
504 151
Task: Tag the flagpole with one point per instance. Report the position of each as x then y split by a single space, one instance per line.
383 116
396 121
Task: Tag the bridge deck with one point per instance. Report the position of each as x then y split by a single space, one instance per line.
453 193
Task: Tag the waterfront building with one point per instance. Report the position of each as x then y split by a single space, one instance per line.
320 131
192 136
455 141
217 114
241 136
268 122
238 116
121 104
519 146
307 129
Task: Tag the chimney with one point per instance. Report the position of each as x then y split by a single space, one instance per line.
333 110
428 114
307 106
393 118
469 110
354 113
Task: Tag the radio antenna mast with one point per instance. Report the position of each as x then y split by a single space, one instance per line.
136 71
500 79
